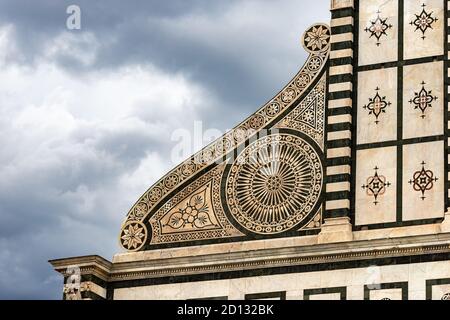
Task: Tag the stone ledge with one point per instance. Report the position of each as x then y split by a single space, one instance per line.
94 264
355 250
254 246
131 271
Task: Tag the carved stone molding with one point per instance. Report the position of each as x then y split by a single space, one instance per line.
262 258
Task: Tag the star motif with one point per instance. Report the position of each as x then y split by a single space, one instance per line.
132 236
423 21
423 99
377 105
423 180
317 38
376 185
378 28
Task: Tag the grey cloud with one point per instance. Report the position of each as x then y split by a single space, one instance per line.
141 33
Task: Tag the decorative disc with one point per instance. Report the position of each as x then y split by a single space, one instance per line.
274 184
316 38
133 236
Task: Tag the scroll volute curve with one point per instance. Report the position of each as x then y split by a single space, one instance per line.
134 233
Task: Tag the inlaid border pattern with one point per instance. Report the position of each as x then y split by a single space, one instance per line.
339 113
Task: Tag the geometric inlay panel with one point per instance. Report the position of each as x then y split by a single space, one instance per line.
195 213
378 32
274 184
423 100
309 116
423 181
377 106
423 28
376 184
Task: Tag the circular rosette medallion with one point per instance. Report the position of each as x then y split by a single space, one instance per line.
317 38
133 236
274 184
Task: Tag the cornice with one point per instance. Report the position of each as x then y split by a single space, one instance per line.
273 258
257 259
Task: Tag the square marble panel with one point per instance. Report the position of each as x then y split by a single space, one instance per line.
377 106
380 182
385 294
423 28
378 31
423 163
438 291
423 100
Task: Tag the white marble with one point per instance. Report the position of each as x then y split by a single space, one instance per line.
391 294
430 43
431 204
438 291
369 210
431 122
370 128
325 296
384 49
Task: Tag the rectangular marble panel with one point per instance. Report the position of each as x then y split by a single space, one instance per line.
378 31
439 291
423 163
376 181
377 106
325 296
423 28
423 100
385 294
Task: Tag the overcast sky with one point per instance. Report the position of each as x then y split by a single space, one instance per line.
87 116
